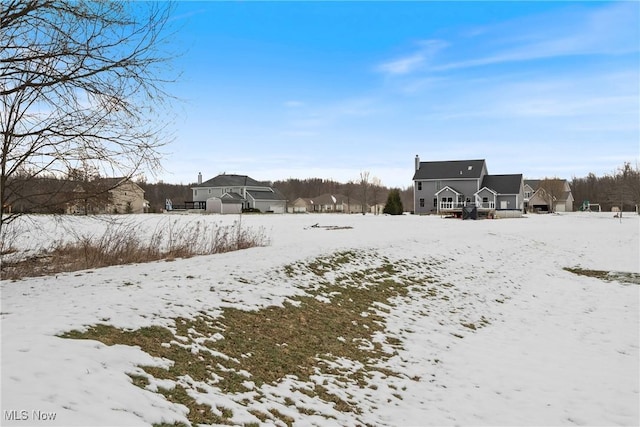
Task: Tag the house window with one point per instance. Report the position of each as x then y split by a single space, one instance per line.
422 203
419 185
435 202
485 200
195 192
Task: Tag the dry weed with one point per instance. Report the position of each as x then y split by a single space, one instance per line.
121 243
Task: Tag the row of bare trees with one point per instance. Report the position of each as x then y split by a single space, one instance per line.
367 190
620 189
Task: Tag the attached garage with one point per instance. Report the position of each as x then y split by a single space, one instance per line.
279 208
267 201
224 205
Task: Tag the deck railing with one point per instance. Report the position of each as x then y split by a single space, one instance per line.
451 205
189 205
460 205
487 205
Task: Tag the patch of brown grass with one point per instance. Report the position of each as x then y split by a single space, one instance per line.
305 336
608 276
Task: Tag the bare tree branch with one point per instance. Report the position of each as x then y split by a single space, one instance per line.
81 83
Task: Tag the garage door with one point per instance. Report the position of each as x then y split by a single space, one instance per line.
277 208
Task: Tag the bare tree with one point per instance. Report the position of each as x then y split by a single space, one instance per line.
618 189
376 189
630 178
81 82
364 186
554 190
347 190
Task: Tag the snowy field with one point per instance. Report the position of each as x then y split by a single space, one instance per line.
555 348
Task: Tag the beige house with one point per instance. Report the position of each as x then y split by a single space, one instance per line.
326 203
126 197
556 198
108 195
300 205
377 209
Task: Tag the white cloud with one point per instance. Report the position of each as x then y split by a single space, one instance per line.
294 104
410 63
403 65
609 30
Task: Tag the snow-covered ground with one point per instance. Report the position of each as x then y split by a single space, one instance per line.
557 349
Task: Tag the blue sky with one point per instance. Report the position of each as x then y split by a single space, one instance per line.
329 89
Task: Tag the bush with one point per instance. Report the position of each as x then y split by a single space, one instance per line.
121 243
394 203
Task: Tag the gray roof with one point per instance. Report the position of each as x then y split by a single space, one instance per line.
503 184
533 183
225 180
231 198
266 195
450 169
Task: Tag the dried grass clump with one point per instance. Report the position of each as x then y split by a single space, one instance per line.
123 244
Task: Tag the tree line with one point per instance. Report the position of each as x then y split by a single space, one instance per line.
364 189
619 189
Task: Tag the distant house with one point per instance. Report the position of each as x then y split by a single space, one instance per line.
300 205
556 197
324 203
377 208
228 193
447 187
106 196
125 196
76 196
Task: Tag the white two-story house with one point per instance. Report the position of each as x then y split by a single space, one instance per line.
228 193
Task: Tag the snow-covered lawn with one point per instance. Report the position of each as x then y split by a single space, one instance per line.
492 329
